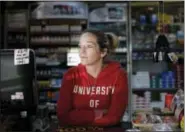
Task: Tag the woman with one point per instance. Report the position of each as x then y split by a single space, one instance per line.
95 92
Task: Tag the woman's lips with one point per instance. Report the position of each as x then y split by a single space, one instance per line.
83 57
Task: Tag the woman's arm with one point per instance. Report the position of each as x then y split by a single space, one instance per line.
66 114
118 104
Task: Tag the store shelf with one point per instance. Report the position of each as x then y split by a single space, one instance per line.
54 21
50 54
154 89
17 30
108 22
119 53
151 3
47 77
48 89
16 44
153 25
152 50
16 41
61 66
52 44
58 33
45 100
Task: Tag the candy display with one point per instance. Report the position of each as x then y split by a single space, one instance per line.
167 119
177 99
146 121
143 118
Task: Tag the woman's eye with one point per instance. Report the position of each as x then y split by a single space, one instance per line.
90 46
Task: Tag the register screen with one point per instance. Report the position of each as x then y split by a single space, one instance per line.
11 78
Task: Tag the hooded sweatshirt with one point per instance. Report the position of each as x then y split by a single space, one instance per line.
81 94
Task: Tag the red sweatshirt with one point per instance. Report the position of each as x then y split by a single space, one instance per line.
81 94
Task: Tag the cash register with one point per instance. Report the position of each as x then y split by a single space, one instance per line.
18 92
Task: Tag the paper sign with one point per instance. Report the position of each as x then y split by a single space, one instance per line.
21 56
73 59
19 95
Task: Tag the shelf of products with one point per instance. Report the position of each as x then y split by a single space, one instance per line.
52 38
170 117
156 85
150 76
155 89
15 34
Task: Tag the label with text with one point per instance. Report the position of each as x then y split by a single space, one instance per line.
21 56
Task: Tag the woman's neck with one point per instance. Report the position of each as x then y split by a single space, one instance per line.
94 69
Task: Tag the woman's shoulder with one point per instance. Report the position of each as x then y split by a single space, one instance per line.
71 70
70 73
121 72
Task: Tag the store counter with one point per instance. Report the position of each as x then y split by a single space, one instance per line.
118 128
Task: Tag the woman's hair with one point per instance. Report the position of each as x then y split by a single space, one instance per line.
107 41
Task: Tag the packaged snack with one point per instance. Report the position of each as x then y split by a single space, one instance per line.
161 127
169 119
178 97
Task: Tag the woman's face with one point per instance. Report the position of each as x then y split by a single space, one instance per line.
89 50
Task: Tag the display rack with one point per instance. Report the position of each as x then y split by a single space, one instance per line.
15 31
144 35
52 38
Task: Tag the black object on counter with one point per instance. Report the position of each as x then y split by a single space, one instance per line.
18 92
161 49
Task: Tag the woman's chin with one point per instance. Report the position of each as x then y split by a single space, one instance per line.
84 63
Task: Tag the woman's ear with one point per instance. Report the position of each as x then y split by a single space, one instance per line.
104 53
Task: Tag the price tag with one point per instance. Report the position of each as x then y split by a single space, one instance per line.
21 56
